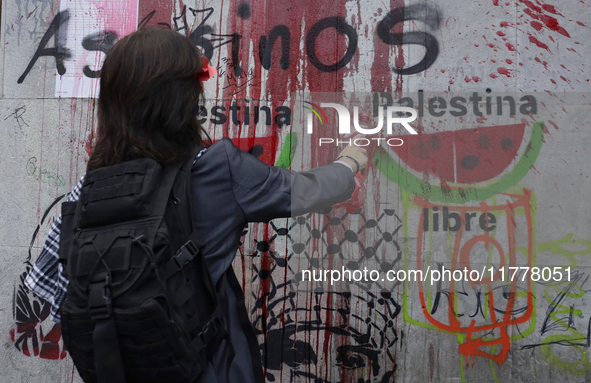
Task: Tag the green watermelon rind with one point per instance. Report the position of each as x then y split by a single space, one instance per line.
396 173
287 153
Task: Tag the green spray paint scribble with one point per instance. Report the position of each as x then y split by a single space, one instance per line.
396 173
556 247
578 367
492 368
288 151
43 175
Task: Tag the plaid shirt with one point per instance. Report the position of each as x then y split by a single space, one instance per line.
45 278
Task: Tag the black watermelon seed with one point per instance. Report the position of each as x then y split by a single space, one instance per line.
507 144
484 141
469 162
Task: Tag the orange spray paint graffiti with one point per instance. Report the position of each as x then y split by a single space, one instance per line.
496 284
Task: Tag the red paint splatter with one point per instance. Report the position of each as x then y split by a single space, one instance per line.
89 144
540 44
475 78
501 33
492 75
496 2
581 24
509 61
531 14
330 48
30 13
510 46
553 124
563 78
467 79
506 24
481 120
451 82
553 25
545 63
551 9
531 5
504 71
537 25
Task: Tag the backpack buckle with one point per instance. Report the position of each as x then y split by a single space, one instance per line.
100 299
209 331
185 254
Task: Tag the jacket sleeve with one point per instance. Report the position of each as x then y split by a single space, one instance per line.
265 192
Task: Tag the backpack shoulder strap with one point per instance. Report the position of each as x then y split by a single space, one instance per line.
211 329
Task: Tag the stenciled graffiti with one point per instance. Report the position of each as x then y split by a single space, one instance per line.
357 323
31 313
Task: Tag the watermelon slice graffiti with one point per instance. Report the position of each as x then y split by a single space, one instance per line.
468 173
462 193
480 154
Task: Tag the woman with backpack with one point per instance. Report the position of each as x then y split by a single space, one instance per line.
151 88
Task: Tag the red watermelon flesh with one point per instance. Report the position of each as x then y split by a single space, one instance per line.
483 153
480 154
429 154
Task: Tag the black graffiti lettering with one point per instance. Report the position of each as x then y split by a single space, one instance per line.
143 22
197 36
266 47
478 306
233 39
183 18
419 12
342 27
235 53
549 324
58 51
18 116
101 41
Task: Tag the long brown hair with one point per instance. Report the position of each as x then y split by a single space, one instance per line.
148 97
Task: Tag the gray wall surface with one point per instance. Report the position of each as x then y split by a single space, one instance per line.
502 89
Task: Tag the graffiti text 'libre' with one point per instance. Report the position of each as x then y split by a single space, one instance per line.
487 221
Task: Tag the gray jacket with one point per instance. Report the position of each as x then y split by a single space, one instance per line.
232 188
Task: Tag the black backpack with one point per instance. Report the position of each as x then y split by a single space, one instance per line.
140 304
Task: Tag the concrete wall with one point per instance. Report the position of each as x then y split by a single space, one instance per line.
526 168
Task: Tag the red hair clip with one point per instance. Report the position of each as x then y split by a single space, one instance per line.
207 71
